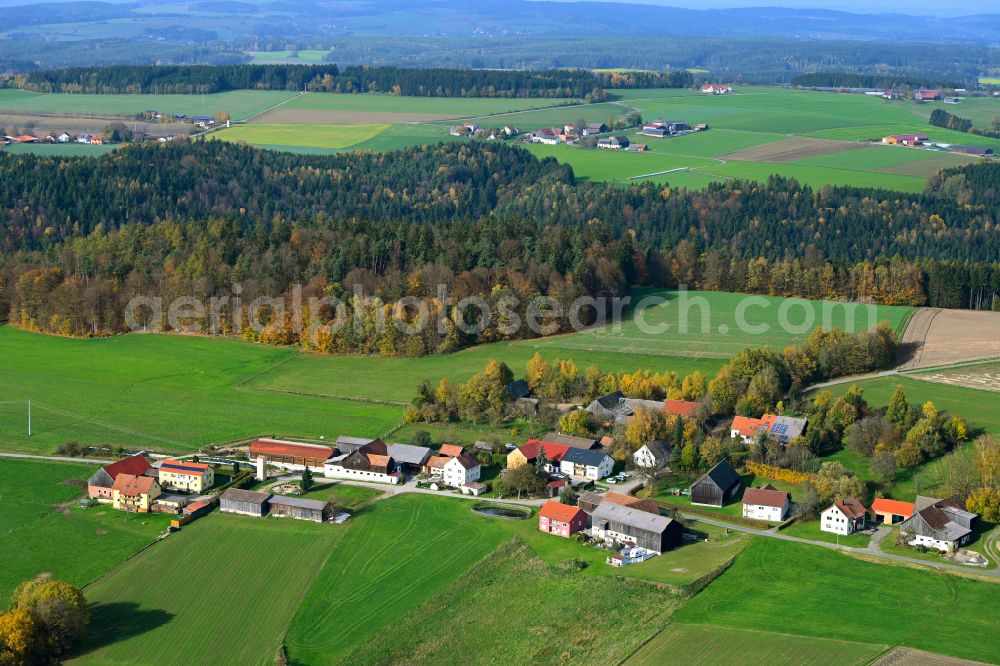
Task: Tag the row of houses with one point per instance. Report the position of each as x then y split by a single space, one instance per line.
371 460
584 464
63 137
942 524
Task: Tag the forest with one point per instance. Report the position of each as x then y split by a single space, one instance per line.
853 80
489 220
188 79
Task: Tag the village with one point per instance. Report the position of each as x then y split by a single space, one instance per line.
564 481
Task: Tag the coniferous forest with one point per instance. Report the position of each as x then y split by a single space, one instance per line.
79 237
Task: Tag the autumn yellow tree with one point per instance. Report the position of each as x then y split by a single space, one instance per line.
17 637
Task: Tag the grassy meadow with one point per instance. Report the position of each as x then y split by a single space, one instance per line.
316 136
848 599
44 532
457 107
240 104
231 577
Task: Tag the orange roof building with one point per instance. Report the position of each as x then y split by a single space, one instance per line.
452 450
561 519
293 456
683 408
134 493
891 511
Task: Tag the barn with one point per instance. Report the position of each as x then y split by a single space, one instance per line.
244 502
716 487
302 509
293 456
614 522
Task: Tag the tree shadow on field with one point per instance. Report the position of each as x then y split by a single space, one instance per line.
118 621
908 351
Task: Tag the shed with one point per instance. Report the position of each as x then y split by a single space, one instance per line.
716 487
614 522
570 441
244 502
302 509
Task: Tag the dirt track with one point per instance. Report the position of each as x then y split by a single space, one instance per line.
904 656
937 336
790 149
282 116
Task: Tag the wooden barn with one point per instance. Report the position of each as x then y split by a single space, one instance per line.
716 487
301 509
244 502
614 522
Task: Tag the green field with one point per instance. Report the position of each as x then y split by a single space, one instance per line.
616 166
43 531
577 619
317 136
304 56
168 393
438 106
239 103
814 176
980 110
225 586
708 645
824 594
392 558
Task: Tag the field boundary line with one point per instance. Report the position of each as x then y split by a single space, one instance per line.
270 108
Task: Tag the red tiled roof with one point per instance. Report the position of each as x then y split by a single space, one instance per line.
553 452
377 460
684 408
765 497
135 465
746 426
851 508
437 461
294 449
560 512
896 507
453 450
647 505
185 466
129 484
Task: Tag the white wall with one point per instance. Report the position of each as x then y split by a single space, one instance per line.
338 472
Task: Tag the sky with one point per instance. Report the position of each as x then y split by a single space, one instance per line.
923 7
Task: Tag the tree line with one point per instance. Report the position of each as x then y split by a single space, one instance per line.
892 81
941 118
80 237
440 82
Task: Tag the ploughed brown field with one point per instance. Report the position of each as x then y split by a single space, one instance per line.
338 117
937 336
790 150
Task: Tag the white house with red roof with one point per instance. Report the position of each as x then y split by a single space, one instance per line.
103 480
844 517
766 503
716 89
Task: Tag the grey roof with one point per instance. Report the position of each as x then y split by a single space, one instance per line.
787 428
632 517
482 446
660 448
569 440
240 495
590 498
610 400
518 389
284 500
355 441
408 453
723 475
584 457
171 498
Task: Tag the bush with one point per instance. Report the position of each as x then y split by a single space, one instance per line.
777 473
571 565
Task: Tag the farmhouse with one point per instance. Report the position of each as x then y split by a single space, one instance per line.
99 485
134 493
655 454
844 517
409 455
890 511
293 456
528 453
765 503
561 519
610 407
594 128
244 502
613 143
615 523
927 95
782 428
585 464
187 476
972 150
942 524
682 408
457 471
301 509
570 441
716 487
716 89
637 148
370 462
905 139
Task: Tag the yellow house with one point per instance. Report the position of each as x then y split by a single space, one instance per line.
190 477
134 493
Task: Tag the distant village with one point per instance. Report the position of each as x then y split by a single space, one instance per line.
121 132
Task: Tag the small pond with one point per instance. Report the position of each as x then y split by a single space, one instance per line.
502 511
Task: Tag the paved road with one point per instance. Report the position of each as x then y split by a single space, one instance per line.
872 548
93 461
